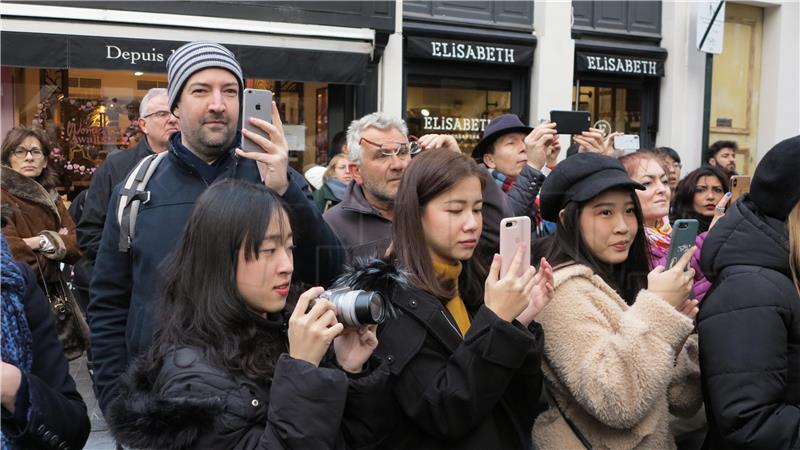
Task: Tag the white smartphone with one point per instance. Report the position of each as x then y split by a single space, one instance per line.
515 231
627 142
257 103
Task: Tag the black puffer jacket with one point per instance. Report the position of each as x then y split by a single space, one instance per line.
192 404
749 330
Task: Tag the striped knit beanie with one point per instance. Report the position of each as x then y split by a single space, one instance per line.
193 57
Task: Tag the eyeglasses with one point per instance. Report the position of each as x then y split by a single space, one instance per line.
400 149
22 152
163 114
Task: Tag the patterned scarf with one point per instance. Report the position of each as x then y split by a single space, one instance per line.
660 235
505 183
16 335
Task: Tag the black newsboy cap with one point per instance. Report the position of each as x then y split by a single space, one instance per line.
580 178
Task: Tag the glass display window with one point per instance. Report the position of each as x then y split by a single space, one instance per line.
88 113
461 108
611 108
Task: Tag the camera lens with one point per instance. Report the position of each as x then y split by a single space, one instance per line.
369 307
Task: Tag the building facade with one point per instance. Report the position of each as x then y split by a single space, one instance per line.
80 69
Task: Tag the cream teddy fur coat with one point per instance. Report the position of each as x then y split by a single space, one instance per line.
617 371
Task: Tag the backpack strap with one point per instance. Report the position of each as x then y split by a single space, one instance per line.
132 196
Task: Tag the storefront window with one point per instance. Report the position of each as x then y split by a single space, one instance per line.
461 112
611 108
90 113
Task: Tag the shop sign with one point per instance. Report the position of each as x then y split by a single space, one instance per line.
479 52
622 65
454 123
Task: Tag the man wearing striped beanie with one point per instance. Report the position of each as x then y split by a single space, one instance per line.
205 88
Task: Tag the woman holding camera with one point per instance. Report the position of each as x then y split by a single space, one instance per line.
464 355
618 358
232 366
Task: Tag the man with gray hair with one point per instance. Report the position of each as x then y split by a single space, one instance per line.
157 124
379 152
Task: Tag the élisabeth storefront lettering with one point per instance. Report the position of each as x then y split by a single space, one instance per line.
617 64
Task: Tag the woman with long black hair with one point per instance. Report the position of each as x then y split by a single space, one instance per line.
226 370
618 354
464 352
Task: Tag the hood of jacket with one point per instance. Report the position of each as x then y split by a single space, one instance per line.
28 190
744 236
140 417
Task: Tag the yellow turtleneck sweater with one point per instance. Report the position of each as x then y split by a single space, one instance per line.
455 305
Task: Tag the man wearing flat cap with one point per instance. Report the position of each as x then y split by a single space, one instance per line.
504 151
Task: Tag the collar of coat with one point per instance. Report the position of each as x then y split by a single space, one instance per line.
354 200
28 189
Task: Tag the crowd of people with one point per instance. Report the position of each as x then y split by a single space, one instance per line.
207 273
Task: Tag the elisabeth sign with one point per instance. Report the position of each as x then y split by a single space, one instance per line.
466 51
623 65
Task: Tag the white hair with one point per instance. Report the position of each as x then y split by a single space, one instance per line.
377 120
152 93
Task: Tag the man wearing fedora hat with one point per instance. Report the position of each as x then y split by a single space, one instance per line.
504 149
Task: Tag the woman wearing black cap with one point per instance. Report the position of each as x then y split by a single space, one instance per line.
749 326
618 359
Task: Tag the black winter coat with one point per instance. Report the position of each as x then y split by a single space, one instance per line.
125 286
479 391
50 413
749 330
192 404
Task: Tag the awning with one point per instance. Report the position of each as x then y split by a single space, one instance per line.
59 51
619 58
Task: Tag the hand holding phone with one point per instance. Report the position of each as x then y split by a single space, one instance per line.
673 285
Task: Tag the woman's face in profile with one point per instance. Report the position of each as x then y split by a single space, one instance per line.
264 282
452 221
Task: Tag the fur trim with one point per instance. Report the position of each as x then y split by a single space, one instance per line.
58 242
373 274
141 418
27 189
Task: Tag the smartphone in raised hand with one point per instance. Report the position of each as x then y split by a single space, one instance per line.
256 103
513 232
739 185
684 233
571 122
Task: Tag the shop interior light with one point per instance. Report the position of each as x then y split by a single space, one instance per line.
425 112
138 74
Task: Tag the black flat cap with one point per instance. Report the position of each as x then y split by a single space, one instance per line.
580 178
500 125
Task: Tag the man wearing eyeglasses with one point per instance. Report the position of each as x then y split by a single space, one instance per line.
379 152
157 124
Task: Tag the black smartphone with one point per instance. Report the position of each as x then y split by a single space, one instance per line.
571 122
684 233
257 103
